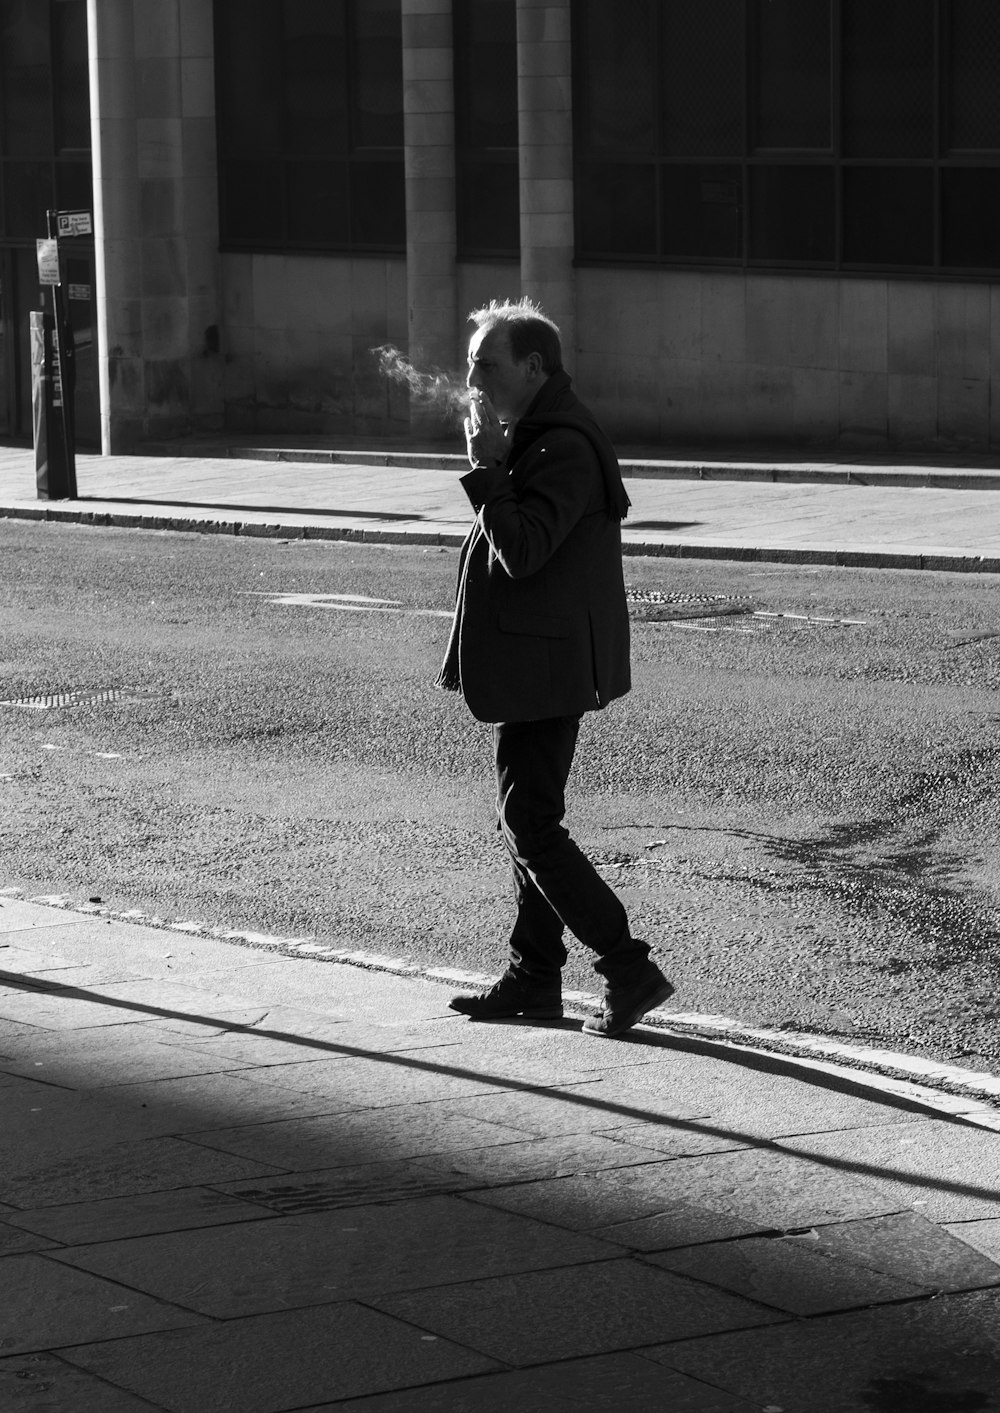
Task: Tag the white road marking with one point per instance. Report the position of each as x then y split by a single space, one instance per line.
346 603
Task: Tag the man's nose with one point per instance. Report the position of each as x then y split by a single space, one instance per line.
474 379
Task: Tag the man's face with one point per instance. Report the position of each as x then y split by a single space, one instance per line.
510 386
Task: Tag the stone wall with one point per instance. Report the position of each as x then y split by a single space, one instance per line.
872 364
298 332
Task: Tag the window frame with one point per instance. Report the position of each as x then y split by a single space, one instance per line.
70 169
288 161
939 162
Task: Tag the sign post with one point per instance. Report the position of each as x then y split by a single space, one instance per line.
56 373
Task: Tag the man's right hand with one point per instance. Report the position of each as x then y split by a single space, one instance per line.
486 438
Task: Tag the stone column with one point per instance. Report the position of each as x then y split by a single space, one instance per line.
155 217
545 120
118 273
429 119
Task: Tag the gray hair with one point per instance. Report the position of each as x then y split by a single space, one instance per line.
530 331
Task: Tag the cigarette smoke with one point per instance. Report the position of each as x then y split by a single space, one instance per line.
434 389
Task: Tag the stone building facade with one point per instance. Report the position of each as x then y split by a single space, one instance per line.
280 187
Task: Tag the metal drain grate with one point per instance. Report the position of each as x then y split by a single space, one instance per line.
47 701
654 606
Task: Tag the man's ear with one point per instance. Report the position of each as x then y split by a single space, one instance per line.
534 362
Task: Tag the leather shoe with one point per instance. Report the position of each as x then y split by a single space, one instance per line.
512 996
625 1005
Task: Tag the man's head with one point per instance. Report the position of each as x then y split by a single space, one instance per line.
514 350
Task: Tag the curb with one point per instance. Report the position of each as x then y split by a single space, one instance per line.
635 466
961 1095
254 529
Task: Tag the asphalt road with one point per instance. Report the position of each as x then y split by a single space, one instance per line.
798 801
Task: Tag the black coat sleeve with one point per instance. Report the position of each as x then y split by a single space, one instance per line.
528 511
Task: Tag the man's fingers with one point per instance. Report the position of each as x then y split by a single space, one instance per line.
486 410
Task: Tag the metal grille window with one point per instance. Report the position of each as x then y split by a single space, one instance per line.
44 114
486 158
814 134
310 122
45 164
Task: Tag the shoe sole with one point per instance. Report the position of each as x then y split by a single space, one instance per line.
596 1026
530 1013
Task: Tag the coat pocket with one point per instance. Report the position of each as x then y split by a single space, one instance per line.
533 625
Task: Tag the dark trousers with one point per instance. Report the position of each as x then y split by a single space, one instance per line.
555 885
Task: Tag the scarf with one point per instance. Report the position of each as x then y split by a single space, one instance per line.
557 405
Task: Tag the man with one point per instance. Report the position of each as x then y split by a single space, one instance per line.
541 636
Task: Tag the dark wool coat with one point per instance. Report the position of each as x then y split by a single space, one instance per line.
541 623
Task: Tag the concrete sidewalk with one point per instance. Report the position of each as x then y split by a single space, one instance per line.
241 1179
930 517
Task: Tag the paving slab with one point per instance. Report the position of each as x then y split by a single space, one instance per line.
982 1235
330 1189
927 1356
117 1218
351 1139
126 1169
43 1124
88 940
45 1304
839 1267
761 1188
609 1383
13 1242
619 1202
94 1059
191 1103
27 961
672 1139
382 1036
749 1099
47 1006
18 915
381 1079
277 1361
284 980
579 1108
43 1383
948 1172
787 1273
247 1043
254 1267
534 1317
679 1224
535 1158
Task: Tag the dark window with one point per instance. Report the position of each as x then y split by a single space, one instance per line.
973 110
791 214
486 153
72 76
799 134
701 210
889 216
887 87
310 122
790 46
44 114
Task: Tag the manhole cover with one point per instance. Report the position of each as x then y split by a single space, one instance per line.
46 701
